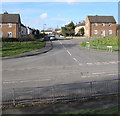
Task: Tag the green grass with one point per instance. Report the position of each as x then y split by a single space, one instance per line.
114 111
14 48
102 43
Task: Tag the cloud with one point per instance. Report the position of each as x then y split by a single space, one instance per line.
43 16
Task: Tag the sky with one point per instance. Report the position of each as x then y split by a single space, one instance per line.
57 14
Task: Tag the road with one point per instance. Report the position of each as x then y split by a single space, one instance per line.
66 63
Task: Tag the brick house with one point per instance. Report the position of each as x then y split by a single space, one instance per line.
97 26
10 25
118 30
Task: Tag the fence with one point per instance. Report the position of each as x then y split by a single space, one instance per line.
61 92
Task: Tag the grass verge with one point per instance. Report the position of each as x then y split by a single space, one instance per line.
14 48
113 110
102 43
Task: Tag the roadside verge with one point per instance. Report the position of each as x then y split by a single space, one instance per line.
48 47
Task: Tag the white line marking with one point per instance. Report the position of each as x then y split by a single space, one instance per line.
80 64
98 73
69 53
75 59
97 63
111 74
25 81
89 63
105 62
60 42
113 62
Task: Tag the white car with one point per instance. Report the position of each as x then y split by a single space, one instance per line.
52 37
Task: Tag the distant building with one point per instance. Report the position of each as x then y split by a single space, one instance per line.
23 30
97 26
10 25
118 30
47 31
57 31
79 26
29 30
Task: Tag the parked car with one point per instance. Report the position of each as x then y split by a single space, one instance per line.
52 37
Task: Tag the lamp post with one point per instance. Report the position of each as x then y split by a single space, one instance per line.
43 29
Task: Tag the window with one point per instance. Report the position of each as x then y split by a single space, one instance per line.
110 32
86 32
9 34
103 32
0 25
103 24
9 25
0 34
86 24
110 24
95 24
95 32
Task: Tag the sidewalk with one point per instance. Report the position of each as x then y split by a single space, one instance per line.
47 48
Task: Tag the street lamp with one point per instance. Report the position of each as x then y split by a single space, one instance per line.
43 29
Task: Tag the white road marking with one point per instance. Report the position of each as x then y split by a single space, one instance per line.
75 59
97 63
89 63
105 62
24 81
113 62
60 42
98 73
69 53
80 64
112 74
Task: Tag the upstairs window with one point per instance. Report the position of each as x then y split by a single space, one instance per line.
9 25
103 24
0 25
110 24
95 24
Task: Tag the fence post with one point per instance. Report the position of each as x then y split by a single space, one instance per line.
91 87
13 96
53 94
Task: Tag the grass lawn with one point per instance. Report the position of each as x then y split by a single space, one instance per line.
102 43
97 111
14 48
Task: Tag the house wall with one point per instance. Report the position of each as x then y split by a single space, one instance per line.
87 27
106 28
23 30
14 29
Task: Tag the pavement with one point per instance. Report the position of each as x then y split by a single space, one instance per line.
48 47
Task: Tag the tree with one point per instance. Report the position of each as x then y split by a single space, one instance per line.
68 30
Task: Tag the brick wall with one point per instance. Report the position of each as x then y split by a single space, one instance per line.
14 29
106 28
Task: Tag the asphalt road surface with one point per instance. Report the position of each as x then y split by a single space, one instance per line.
66 63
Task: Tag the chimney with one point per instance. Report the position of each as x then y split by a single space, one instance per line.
5 12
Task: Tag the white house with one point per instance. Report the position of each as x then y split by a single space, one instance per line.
29 30
79 26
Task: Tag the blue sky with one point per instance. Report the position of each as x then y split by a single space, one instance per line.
57 14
